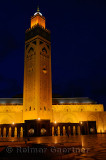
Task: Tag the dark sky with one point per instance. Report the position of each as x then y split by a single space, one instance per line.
78 34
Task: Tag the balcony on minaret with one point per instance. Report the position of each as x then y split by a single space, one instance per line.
38 19
38 27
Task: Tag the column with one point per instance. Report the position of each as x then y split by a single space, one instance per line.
52 130
4 132
64 131
21 132
78 128
73 130
15 132
69 130
58 131
9 134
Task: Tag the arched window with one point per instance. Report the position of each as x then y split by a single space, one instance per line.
44 50
30 108
44 108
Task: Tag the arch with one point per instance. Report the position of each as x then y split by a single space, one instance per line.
30 108
44 48
7 109
96 109
92 118
68 118
93 127
6 119
31 45
30 49
67 109
81 109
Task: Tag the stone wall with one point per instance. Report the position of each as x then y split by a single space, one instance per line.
11 114
74 114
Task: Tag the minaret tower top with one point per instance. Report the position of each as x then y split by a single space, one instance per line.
38 19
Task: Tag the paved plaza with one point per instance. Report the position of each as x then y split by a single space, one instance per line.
94 145
84 147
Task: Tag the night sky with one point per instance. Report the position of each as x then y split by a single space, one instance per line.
78 36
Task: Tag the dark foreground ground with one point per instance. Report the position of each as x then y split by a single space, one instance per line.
88 147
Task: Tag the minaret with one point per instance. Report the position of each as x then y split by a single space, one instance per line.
37 99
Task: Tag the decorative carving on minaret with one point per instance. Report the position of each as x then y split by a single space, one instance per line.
37 74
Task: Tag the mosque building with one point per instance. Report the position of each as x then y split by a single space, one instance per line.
37 113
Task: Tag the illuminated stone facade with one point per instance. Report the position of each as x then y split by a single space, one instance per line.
37 102
75 110
37 71
11 110
67 116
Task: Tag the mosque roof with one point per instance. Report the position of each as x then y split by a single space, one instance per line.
82 100
55 101
11 101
